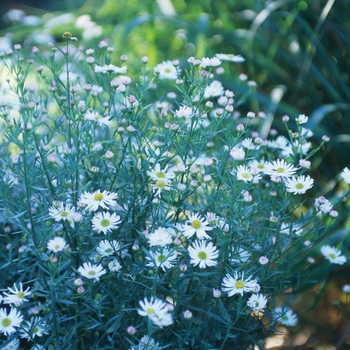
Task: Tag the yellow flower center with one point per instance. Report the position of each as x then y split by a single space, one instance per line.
202 255
5 322
105 223
160 183
92 273
21 295
161 258
64 214
240 284
35 330
261 166
98 197
160 175
196 224
299 186
280 170
332 256
150 311
246 175
109 251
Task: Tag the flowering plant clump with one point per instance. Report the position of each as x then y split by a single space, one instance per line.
148 213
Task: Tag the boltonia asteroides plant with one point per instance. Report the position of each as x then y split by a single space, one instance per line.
144 213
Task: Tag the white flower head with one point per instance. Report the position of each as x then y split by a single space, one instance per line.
157 173
164 258
152 307
16 295
230 57
302 119
323 204
9 322
240 256
160 237
236 284
107 248
163 319
166 70
62 212
98 199
285 316
214 89
92 272
257 302
114 265
185 112
12 345
196 224
110 68
294 229
105 222
333 255
57 244
36 327
280 168
210 62
345 174
298 185
202 254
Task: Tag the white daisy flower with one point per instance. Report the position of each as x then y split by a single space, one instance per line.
16 296
249 144
114 266
280 168
152 307
166 259
105 222
166 70
298 185
333 255
345 174
98 199
230 57
9 322
203 255
243 173
12 345
280 142
237 153
214 89
302 119
257 164
198 225
163 319
323 204
257 302
240 256
90 271
236 284
57 244
184 112
294 229
36 327
62 212
157 173
161 185
285 316
107 248
210 62
160 237
95 116
110 68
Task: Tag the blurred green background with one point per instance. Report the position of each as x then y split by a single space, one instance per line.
298 53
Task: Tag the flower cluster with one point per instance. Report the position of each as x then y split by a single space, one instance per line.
146 213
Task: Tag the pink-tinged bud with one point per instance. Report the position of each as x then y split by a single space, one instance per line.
216 293
131 330
187 314
333 213
78 282
325 138
263 260
81 290
144 59
285 119
183 267
240 127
